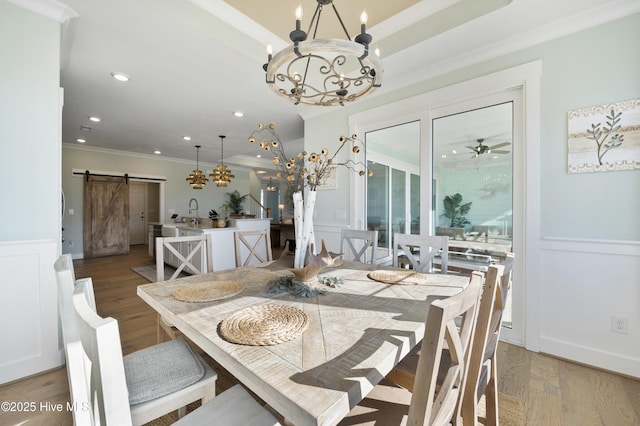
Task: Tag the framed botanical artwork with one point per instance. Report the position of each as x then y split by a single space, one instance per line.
604 137
330 180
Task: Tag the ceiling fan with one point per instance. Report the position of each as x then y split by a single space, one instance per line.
485 149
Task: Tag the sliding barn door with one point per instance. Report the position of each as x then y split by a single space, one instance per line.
106 216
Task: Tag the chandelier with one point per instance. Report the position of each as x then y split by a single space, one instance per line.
324 72
270 187
196 178
221 175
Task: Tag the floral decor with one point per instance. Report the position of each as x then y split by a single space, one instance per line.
306 170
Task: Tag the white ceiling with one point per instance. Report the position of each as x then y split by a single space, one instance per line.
193 63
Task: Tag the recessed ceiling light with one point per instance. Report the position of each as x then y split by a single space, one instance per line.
259 156
119 76
238 113
186 138
453 151
157 152
80 140
261 172
85 128
94 119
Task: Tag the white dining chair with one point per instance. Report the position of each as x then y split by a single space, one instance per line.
252 247
431 402
190 251
359 243
419 251
153 385
197 261
159 372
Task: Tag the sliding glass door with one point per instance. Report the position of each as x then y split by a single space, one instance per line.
393 201
452 171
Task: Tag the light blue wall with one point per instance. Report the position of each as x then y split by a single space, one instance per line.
591 67
177 190
29 125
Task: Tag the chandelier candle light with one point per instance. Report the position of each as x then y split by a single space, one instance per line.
196 178
306 170
324 72
221 175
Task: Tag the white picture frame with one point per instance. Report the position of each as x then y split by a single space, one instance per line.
604 137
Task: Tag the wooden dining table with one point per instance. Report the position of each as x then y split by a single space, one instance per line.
357 332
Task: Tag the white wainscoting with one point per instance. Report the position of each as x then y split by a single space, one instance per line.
584 283
28 309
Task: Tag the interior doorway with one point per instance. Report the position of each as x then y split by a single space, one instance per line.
137 213
144 208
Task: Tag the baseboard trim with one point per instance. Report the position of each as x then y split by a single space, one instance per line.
611 362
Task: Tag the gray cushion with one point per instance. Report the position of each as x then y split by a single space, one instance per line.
160 370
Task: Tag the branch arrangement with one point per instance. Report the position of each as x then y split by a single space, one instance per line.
307 169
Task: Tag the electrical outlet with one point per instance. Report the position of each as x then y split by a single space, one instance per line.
619 324
70 243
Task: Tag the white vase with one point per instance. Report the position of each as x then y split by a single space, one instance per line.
303 220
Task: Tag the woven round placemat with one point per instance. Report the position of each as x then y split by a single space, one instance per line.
264 325
407 277
208 291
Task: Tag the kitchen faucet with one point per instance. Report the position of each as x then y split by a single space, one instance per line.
191 210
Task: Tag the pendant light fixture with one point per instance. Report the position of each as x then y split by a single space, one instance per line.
221 175
270 186
196 178
324 72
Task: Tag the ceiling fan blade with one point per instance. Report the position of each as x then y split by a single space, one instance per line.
472 148
499 151
500 145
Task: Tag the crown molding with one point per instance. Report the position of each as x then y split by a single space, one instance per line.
99 150
52 9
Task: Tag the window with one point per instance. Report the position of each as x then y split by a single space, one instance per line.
393 192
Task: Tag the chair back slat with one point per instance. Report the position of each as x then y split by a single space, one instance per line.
359 242
252 247
439 405
198 250
420 251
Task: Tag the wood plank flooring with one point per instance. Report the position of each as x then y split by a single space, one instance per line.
555 392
